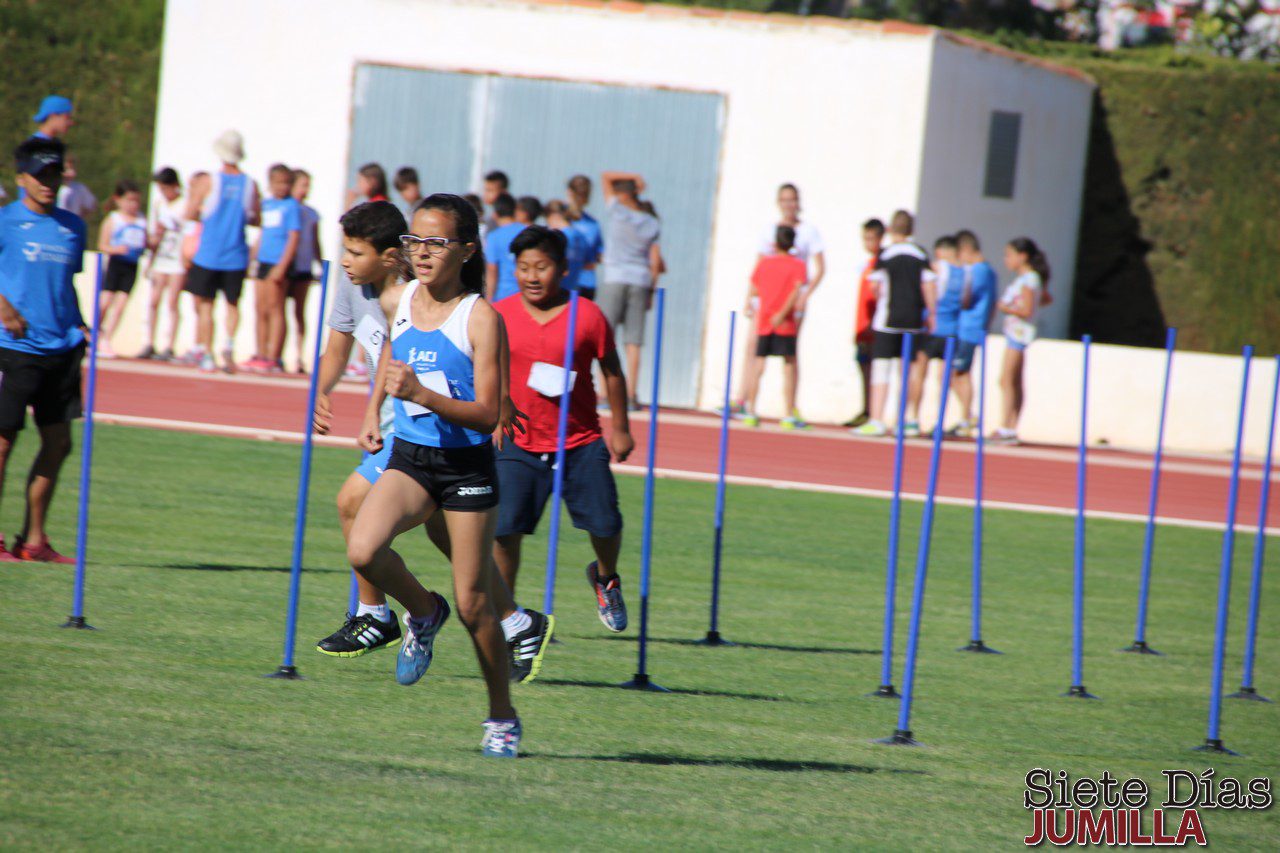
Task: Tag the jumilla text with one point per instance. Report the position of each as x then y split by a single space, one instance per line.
1109 811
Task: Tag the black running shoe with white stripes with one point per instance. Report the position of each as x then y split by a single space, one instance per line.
360 635
528 647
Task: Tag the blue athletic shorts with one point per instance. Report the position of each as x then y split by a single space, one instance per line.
373 464
590 494
962 362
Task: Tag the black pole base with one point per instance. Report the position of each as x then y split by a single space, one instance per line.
78 622
900 737
289 673
1077 691
1140 647
1213 744
1249 693
979 647
884 691
641 682
713 638
555 641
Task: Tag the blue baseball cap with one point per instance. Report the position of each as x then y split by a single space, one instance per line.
52 105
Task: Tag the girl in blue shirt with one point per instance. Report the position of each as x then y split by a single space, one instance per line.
443 369
123 239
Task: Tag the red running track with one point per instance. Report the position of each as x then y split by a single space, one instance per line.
1192 489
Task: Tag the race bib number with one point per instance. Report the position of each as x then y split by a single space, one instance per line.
371 335
548 379
432 380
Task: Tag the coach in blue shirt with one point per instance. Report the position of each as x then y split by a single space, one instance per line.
43 336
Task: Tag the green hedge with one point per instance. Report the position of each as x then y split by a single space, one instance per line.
105 56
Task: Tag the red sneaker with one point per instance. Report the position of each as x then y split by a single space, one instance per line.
5 556
40 554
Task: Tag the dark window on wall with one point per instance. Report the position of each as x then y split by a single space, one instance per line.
1002 154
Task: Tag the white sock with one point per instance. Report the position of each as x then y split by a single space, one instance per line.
515 623
381 612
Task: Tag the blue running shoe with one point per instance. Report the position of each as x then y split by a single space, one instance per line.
501 739
609 604
415 652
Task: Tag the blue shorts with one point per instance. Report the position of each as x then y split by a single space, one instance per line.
962 361
590 494
373 464
1014 345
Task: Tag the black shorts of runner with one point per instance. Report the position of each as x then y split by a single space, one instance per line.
49 384
889 344
589 492
207 283
784 345
961 361
121 275
457 478
303 277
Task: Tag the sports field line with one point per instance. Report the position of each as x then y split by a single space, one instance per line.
693 476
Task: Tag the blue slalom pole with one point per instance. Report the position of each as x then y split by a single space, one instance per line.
979 468
1077 689
76 619
287 669
1144 585
1247 690
1213 740
713 637
557 479
641 679
885 690
902 735
353 598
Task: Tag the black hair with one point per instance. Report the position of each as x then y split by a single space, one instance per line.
36 145
547 240
946 241
125 186
280 169
563 208
405 176
375 173
168 176
467 224
790 186
1035 257
626 186
379 223
500 177
875 225
504 206
531 206
785 237
476 202
966 239
903 223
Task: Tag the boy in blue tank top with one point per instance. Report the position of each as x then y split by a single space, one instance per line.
443 366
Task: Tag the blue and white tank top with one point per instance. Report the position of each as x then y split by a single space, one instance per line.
130 233
445 350
225 213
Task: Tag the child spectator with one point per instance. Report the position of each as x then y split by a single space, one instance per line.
123 237
1019 304
775 292
371 185
906 296
559 216
528 210
74 196
631 266
865 309
945 318
975 315
277 246
579 189
496 183
500 267
410 190
166 271
304 262
53 119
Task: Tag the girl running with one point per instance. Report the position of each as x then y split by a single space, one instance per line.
443 367
1019 304
167 271
123 238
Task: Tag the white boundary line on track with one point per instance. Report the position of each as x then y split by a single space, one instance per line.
694 476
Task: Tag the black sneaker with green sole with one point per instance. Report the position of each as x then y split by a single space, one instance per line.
360 635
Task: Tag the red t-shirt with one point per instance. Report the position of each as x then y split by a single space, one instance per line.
868 295
532 342
776 277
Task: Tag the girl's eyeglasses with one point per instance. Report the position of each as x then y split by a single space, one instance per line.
430 245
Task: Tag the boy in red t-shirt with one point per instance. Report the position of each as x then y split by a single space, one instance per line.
537 321
868 293
776 283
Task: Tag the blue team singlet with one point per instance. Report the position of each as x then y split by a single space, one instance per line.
225 214
446 349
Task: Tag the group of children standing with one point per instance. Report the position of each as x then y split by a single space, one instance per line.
901 290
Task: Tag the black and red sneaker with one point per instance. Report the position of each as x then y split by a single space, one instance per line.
609 604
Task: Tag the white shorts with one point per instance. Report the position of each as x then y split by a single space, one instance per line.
168 256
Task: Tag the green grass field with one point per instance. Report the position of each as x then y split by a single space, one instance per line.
158 731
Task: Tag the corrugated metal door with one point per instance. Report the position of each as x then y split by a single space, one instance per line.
454 127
